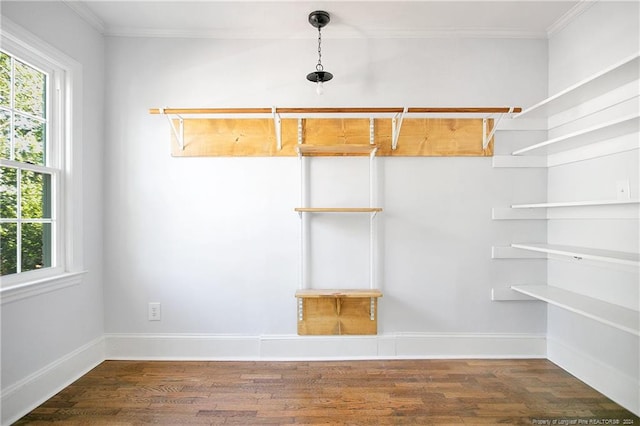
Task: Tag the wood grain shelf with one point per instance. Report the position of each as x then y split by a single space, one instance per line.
338 209
338 311
610 256
597 84
574 204
614 315
598 133
346 149
337 293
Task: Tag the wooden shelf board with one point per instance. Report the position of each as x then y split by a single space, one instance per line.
614 315
601 132
618 257
574 204
352 149
338 209
337 293
604 81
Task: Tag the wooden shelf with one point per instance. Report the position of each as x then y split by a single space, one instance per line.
598 84
574 204
338 311
338 209
616 316
618 257
344 149
337 293
601 132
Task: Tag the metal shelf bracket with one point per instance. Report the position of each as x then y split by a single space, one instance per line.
177 132
396 125
487 138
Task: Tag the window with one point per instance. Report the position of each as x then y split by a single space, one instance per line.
40 189
27 175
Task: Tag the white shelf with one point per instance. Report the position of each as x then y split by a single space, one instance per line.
600 83
598 133
574 204
618 257
616 316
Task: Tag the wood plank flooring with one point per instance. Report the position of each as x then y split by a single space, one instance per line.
406 392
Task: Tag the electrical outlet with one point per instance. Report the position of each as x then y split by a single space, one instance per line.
622 190
154 311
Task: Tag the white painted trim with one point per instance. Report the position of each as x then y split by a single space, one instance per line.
21 397
379 33
86 14
294 347
568 17
41 286
621 388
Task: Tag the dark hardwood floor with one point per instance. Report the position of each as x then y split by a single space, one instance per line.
410 392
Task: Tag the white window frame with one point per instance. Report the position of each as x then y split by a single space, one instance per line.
64 134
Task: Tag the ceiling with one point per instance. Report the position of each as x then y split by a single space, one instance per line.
349 19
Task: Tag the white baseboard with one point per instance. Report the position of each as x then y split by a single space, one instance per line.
293 347
19 398
621 388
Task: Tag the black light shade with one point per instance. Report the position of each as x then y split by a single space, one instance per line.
319 76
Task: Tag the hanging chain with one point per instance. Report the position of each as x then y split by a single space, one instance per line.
319 66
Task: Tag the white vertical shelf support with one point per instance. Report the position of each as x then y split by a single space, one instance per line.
372 224
300 131
304 224
277 125
372 135
396 125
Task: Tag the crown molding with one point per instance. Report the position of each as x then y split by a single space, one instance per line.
336 34
569 16
85 13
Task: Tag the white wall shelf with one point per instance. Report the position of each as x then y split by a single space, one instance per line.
598 133
618 257
614 315
600 83
574 204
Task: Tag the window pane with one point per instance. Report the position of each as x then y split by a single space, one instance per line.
29 86
8 248
29 140
36 246
35 194
5 129
5 80
8 193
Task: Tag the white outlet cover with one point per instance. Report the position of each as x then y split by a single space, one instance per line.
154 311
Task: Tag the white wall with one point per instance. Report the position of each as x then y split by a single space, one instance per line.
39 333
603 357
216 241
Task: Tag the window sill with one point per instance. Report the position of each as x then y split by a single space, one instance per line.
40 286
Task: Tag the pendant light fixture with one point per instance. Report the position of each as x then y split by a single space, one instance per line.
319 19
